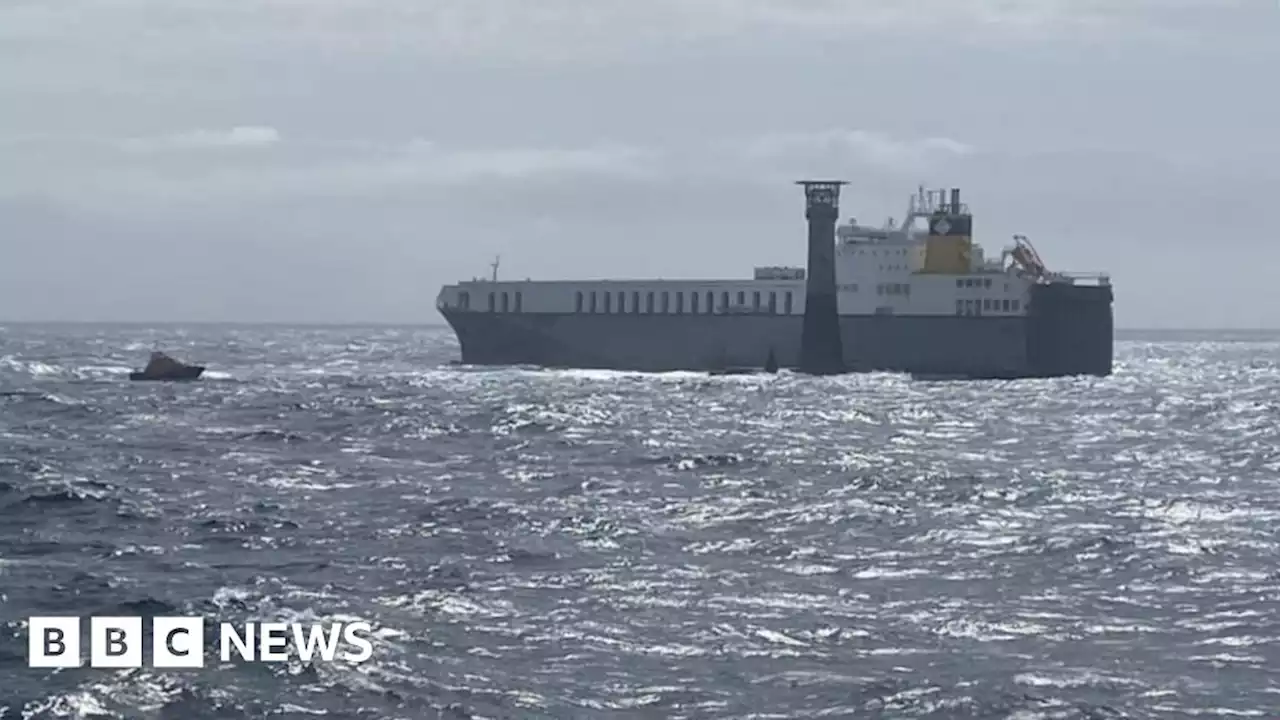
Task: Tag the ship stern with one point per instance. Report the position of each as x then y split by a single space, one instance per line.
1071 329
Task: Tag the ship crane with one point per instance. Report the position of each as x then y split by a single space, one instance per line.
1027 259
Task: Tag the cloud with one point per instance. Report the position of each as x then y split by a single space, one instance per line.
161 170
857 147
236 137
563 29
155 172
427 161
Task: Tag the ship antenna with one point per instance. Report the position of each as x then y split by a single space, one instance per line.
497 260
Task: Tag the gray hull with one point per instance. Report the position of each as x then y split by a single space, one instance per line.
1066 331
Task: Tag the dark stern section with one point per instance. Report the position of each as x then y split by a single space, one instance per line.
1070 330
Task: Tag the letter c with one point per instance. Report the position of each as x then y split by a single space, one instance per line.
168 642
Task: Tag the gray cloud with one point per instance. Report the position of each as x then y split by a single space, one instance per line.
243 164
236 137
339 160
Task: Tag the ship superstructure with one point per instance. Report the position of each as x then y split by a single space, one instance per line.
917 295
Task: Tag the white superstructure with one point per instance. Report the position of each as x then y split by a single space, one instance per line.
879 271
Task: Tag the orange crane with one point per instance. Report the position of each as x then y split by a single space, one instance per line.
1027 259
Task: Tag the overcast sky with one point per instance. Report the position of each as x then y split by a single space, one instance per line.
337 161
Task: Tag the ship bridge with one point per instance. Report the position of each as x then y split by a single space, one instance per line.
921 206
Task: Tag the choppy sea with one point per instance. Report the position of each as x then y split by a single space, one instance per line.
561 544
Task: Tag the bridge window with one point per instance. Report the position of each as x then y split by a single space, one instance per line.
622 302
986 283
577 301
679 303
693 302
464 300
635 302
608 302
1004 305
742 298
519 301
648 304
986 303
755 301
666 302
773 303
786 303
593 301
724 302
959 307
1013 305
492 302
505 302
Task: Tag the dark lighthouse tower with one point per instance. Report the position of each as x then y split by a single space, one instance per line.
821 349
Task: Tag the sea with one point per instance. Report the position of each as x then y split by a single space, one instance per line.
530 543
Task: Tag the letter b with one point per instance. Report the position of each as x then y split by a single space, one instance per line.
115 642
53 642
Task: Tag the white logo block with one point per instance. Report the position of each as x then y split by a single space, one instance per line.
177 642
115 642
53 642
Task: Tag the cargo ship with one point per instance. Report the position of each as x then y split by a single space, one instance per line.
917 296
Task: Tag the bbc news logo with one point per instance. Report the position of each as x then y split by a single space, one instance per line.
179 642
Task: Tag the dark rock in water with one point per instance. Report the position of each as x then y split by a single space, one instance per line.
163 367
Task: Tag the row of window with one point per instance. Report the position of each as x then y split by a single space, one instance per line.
662 302
498 302
604 302
974 306
973 282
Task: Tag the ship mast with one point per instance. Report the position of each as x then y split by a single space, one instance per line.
497 260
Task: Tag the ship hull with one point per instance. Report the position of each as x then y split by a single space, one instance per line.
1066 331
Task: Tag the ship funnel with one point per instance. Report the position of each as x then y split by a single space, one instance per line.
821 347
949 245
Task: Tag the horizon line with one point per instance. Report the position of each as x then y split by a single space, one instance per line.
445 325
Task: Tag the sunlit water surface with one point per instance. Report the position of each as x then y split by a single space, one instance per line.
538 544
